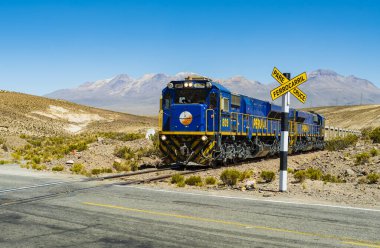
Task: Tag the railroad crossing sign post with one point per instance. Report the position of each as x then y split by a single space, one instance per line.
287 86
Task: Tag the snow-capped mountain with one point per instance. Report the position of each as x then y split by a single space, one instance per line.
141 95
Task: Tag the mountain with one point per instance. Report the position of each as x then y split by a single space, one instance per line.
141 96
34 115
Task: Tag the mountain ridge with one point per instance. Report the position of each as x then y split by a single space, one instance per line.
141 95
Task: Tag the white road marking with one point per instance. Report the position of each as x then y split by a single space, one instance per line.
31 187
251 199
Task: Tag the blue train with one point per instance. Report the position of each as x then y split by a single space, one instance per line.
203 122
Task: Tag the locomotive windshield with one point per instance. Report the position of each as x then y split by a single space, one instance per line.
186 96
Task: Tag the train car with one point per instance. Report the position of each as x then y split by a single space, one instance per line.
202 122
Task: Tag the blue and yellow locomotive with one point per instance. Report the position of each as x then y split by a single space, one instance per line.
203 122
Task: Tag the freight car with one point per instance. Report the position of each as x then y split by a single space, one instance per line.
202 122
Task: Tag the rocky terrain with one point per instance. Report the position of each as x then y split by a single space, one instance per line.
141 96
352 187
33 115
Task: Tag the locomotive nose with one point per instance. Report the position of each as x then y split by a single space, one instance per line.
188 117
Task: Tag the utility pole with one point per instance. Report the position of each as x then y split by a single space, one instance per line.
284 139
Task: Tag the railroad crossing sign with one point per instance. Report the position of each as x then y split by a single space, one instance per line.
288 85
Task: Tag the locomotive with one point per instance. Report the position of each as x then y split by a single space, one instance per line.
202 122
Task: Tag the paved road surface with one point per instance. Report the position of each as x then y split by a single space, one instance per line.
93 214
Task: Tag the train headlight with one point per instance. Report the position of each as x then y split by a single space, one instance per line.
204 138
208 84
170 85
190 84
186 84
163 137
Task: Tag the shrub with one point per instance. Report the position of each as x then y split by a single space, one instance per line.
314 174
268 176
374 135
290 170
181 184
210 180
177 178
373 178
245 175
96 171
124 152
374 152
331 179
341 143
77 168
36 159
362 158
58 168
300 175
121 166
4 162
194 180
230 176
38 166
134 165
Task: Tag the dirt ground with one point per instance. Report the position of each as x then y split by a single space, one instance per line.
338 163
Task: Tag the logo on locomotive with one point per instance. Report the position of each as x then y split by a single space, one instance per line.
186 118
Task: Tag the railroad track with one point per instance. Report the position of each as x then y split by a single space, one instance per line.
66 191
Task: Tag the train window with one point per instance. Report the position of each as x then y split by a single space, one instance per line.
235 100
191 96
166 101
225 105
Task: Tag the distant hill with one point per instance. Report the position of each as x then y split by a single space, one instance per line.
353 117
33 115
141 96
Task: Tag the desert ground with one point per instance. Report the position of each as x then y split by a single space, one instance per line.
65 138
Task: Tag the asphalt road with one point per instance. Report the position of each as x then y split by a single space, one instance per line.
67 213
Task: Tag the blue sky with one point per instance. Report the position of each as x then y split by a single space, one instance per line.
49 45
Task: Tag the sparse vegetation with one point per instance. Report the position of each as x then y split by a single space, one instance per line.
341 143
290 170
245 175
362 158
58 168
4 162
374 135
77 168
230 177
38 166
44 149
331 179
374 152
373 178
119 167
267 176
194 180
300 176
97 171
177 178
121 136
314 174
210 180
181 184
124 152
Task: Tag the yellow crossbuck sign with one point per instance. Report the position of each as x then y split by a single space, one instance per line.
288 85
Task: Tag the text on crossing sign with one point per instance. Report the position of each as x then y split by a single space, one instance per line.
288 85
